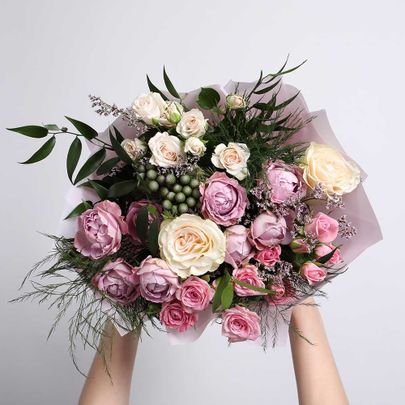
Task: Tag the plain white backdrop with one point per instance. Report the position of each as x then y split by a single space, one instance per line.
54 53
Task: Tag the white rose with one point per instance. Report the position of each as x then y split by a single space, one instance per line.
235 102
134 147
149 107
166 150
192 123
233 158
194 146
327 167
191 245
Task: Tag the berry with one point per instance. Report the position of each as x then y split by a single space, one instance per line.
164 191
151 174
167 205
180 197
141 168
196 193
170 179
191 202
153 185
185 179
161 179
183 208
187 190
170 196
177 188
194 183
174 209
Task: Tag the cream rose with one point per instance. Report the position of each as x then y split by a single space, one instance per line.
173 112
135 148
233 158
327 167
192 123
166 150
235 102
191 245
194 146
149 107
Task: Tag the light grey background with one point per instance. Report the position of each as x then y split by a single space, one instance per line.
54 53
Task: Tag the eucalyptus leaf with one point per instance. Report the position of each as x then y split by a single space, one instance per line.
33 131
91 165
79 209
107 166
208 98
73 157
122 188
86 130
154 89
42 152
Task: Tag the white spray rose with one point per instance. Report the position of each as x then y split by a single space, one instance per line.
173 112
192 123
166 150
194 146
135 148
149 108
235 102
233 158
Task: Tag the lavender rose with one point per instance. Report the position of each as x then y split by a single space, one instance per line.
238 246
100 230
119 281
223 200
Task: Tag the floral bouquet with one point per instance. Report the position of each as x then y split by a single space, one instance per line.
229 204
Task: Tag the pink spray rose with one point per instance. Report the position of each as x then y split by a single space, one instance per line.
195 294
119 281
323 227
248 274
285 182
238 247
313 273
100 230
284 293
174 316
132 215
324 249
223 200
299 245
157 283
240 324
267 230
269 256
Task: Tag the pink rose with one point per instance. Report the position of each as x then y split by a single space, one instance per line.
174 316
157 283
323 227
100 230
267 230
269 256
238 247
313 273
324 249
223 200
195 294
284 293
132 215
119 281
299 245
285 182
248 274
240 324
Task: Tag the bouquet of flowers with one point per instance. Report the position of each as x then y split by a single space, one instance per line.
223 204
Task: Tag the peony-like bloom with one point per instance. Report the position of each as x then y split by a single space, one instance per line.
324 249
235 102
174 316
119 281
192 123
100 230
285 182
191 245
132 215
240 324
135 148
323 227
149 108
248 274
233 158
195 294
223 200
267 230
269 256
166 150
327 167
194 146
313 273
238 246
157 283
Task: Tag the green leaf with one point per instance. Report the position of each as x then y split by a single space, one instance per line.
252 287
153 237
142 223
286 103
91 165
324 259
33 131
52 127
101 191
169 85
73 157
108 165
86 130
42 152
119 150
154 89
208 98
268 88
118 135
79 209
227 296
122 188
217 299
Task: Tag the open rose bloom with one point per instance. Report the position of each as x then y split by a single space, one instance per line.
227 203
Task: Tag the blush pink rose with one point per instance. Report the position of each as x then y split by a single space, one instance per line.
174 316
223 200
118 281
132 215
323 227
100 230
157 283
267 230
248 274
285 182
313 273
238 246
299 245
284 293
324 249
240 324
195 294
269 256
